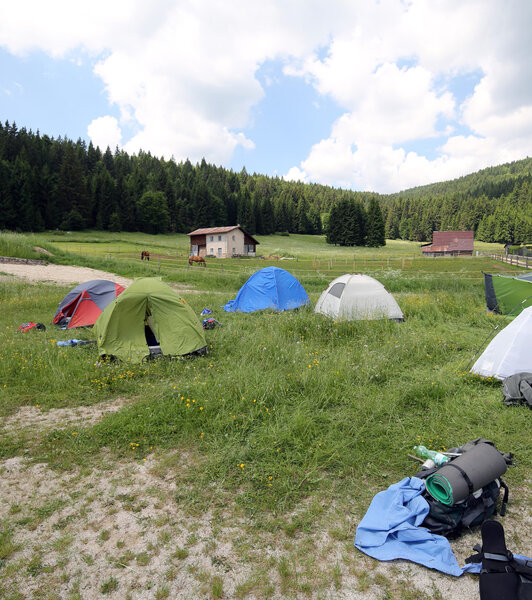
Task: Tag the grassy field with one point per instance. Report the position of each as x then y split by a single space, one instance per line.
287 415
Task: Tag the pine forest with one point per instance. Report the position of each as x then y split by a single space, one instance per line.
48 183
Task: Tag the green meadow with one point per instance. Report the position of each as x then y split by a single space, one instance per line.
287 409
285 405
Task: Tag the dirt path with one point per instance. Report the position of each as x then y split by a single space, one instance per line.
68 275
62 274
128 529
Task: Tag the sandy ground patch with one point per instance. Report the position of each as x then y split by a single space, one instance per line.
68 275
128 529
121 526
63 274
33 417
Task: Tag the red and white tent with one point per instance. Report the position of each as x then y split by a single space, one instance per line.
84 304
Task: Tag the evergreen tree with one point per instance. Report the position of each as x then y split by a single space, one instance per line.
375 225
153 213
72 191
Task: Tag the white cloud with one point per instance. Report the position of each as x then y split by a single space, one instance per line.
105 131
185 74
387 106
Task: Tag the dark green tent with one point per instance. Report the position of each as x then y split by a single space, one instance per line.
148 318
505 294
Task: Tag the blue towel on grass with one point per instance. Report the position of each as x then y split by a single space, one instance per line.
391 529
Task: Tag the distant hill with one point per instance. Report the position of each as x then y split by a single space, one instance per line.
492 182
496 203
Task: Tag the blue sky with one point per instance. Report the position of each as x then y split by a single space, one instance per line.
374 95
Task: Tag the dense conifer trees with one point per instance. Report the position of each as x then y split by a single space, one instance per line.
57 183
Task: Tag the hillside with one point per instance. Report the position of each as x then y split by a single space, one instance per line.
48 183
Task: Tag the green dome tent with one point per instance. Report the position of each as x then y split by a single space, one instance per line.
505 293
148 318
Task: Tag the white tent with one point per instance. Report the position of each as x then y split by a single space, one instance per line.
510 351
358 296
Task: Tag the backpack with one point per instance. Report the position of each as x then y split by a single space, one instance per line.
27 326
517 389
450 521
502 576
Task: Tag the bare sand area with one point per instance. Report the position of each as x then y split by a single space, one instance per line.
68 275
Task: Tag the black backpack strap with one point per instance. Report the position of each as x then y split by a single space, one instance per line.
502 512
475 558
498 580
464 475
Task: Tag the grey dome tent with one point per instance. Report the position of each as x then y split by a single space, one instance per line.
358 297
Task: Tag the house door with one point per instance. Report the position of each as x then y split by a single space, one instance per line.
219 253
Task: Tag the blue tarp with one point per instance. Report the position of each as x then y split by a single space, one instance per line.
391 529
270 287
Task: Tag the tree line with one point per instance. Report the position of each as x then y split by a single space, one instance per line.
48 183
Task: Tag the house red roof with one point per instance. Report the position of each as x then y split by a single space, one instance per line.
207 230
213 230
450 241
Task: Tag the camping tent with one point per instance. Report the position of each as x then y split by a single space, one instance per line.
353 297
270 287
505 294
508 352
148 318
84 304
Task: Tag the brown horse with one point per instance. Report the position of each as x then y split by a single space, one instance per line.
197 259
144 255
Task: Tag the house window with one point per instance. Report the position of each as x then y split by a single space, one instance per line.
212 239
233 238
219 253
211 250
219 238
234 250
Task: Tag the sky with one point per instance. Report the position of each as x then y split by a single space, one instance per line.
369 95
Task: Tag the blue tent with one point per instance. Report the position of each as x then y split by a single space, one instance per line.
269 288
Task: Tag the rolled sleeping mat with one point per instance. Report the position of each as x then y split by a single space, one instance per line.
472 470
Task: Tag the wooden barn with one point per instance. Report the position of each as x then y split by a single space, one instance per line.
449 243
222 242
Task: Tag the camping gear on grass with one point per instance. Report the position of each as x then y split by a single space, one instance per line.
505 293
85 303
508 352
75 342
148 318
27 326
517 389
503 575
210 323
469 472
358 296
272 288
451 520
391 529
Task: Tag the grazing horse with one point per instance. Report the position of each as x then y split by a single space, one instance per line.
144 255
197 259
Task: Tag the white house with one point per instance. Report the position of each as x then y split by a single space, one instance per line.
222 242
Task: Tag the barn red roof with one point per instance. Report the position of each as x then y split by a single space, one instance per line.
450 241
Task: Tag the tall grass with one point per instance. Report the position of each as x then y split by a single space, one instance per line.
285 405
